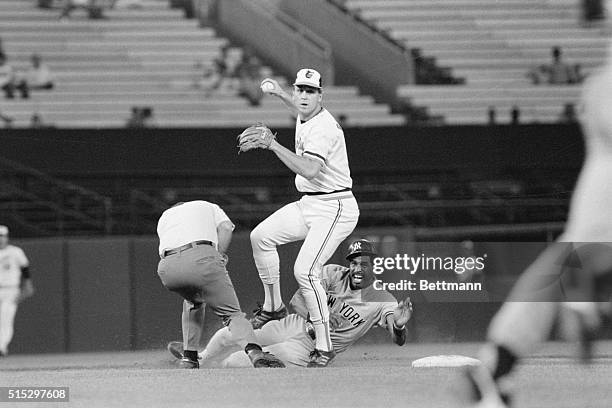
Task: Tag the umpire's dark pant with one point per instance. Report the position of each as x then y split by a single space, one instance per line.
199 275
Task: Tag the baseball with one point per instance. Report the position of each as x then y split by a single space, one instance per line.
267 85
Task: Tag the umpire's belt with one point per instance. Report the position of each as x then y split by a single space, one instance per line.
190 245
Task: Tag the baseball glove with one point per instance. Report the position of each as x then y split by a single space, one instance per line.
258 136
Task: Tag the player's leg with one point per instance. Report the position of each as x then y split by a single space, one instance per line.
283 226
219 293
523 321
330 223
8 309
222 344
179 275
192 323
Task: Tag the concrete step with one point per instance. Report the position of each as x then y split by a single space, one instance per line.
464 4
549 91
410 14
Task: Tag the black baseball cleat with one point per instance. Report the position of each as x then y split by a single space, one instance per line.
263 359
176 349
188 363
484 391
262 317
320 358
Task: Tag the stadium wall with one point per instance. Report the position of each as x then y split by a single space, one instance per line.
97 294
372 150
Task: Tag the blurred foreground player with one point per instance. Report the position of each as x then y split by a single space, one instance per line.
15 286
582 259
193 239
355 307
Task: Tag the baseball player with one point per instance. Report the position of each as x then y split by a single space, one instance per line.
325 215
355 307
539 296
15 286
193 239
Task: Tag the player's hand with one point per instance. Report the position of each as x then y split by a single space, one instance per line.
224 258
271 87
26 291
335 321
402 312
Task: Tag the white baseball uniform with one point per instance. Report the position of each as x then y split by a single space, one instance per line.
12 260
519 325
323 218
289 338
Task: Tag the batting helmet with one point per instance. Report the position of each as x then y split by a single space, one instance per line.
360 247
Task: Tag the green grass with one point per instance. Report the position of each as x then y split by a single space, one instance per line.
366 376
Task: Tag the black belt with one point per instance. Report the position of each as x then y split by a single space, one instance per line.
186 246
321 193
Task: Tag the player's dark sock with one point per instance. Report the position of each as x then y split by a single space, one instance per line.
252 346
191 354
505 361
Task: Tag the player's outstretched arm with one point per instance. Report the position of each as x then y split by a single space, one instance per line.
270 86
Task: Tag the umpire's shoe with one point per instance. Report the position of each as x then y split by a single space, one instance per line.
262 317
263 359
320 358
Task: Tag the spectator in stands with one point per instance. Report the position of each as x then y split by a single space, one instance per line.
94 10
515 115
224 67
206 78
38 75
141 117
249 77
568 115
557 73
8 121
593 10
9 82
37 122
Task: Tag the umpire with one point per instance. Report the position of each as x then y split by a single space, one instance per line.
193 239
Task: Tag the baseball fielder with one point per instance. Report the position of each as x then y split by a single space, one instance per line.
325 215
193 239
15 286
355 307
537 301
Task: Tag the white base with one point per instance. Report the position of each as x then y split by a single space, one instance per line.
445 361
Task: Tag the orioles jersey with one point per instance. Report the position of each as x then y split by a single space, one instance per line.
321 138
359 309
12 260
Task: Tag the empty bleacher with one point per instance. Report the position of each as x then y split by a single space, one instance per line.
145 57
492 44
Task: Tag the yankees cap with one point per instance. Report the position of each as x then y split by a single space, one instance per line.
360 247
308 77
